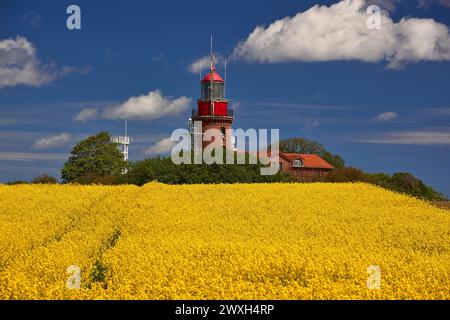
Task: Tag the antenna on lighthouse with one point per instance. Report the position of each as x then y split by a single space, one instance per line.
225 84
211 78
212 53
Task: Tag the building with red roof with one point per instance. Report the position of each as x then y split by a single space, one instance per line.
305 167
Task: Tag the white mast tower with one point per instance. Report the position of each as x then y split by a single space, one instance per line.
123 142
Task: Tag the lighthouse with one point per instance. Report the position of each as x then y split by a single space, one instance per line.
213 109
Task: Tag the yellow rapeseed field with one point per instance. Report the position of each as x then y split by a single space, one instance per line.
260 241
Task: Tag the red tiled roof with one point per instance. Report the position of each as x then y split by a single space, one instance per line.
309 160
312 161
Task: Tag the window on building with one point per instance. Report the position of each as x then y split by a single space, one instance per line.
222 130
297 163
205 91
218 90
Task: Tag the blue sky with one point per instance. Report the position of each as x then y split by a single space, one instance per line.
382 104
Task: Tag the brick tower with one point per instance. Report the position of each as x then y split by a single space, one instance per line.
212 107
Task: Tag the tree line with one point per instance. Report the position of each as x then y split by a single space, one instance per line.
97 160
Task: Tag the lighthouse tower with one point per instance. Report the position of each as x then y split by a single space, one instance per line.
212 107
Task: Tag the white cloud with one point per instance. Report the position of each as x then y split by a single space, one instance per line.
385 116
339 32
410 138
199 65
151 106
161 147
19 65
86 114
52 141
205 62
29 156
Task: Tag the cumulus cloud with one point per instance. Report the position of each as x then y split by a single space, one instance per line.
161 147
19 65
340 32
409 138
199 65
52 141
385 116
86 114
147 107
204 63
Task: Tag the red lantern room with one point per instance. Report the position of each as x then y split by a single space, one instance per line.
212 101
212 108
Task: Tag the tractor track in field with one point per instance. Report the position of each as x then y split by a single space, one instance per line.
99 269
59 236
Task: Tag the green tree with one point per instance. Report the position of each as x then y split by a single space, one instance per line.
405 182
402 182
93 158
301 145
